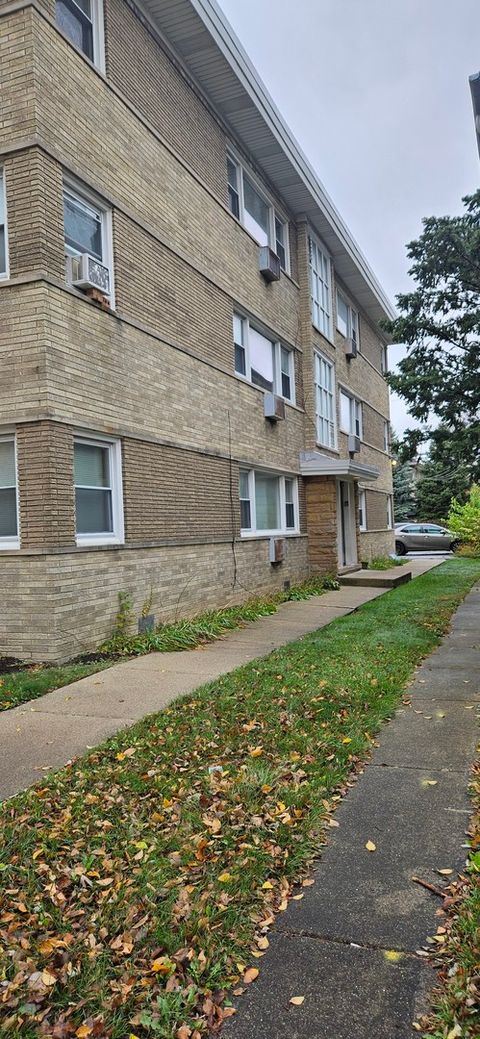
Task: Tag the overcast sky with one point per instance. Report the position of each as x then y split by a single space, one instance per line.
376 93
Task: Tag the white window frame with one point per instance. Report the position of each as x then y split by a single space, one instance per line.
386 436
283 530
117 536
316 247
13 541
362 509
353 322
277 347
389 512
354 405
98 36
3 193
273 211
319 389
88 198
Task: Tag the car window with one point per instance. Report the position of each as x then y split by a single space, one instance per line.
412 528
432 529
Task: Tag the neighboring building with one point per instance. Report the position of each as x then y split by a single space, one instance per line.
135 454
475 91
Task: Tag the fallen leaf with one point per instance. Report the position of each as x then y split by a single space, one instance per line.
333 822
267 886
263 943
297 1000
250 975
256 752
392 955
370 846
429 782
225 877
84 1031
445 872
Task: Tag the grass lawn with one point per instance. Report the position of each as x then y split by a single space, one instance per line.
457 1002
16 687
139 883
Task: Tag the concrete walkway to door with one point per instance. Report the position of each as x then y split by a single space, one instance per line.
46 733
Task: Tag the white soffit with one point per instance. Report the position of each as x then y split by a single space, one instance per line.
206 43
313 463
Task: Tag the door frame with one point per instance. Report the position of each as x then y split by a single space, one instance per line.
347 552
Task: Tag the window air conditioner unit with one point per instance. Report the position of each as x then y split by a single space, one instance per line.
353 444
273 407
276 550
268 263
86 272
351 349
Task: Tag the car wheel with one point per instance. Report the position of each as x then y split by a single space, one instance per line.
454 545
400 548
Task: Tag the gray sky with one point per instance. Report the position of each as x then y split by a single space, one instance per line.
376 92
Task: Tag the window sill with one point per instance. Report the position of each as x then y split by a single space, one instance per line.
265 535
97 541
9 545
328 339
326 447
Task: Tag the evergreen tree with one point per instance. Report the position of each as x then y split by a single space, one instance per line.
404 492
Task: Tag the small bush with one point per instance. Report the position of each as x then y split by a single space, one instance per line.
384 562
464 521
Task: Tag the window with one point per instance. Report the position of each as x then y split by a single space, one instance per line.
98 491
263 361
8 493
350 415
82 22
389 512
249 203
347 319
384 360
362 510
386 436
268 503
3 228
87 228
325 402
320 288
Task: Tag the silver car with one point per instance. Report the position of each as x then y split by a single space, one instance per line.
423 537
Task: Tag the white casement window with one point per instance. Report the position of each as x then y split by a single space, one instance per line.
362 510
87 228
320 288
386 436
389 511
347 319
350 415
268 503
263 361
325 402
98 491
9 522
252 206
82 22
3 228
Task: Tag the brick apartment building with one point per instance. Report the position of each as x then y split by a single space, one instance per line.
196 410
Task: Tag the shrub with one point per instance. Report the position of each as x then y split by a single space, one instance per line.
384 562
464 520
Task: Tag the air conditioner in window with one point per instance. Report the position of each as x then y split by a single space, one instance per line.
276 550
268 263
351 349
273 407
86 272
353 444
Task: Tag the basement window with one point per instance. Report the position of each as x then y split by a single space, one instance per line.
9 525
82 23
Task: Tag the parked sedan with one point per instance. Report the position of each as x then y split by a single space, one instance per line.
423 537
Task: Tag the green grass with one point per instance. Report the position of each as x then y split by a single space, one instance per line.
457 1002
138 882
33 681
385 562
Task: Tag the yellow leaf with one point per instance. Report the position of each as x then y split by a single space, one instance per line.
266 788
297 898
294 756
225 877
240 967
267 886
429 782
347 739
48 979
283 905
250 975
445 872
83 1031
263 943
370 846
162 965
392 955
297 1000
120 757
333 822
256 752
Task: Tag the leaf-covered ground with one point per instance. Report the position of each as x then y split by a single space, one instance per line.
457 1001
18 687
138 885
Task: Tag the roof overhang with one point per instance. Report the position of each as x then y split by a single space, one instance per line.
313 463
201 36
475 91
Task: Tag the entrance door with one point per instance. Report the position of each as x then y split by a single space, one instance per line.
347 528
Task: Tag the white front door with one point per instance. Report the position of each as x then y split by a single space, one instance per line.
346 520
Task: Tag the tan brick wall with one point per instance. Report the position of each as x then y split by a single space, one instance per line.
321 510
45 485
23 352
376 510
17 86
377 544
139 66
35 213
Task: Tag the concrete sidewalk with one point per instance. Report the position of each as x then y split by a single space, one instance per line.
350 946
46 733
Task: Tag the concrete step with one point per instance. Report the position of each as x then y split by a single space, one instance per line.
377 578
